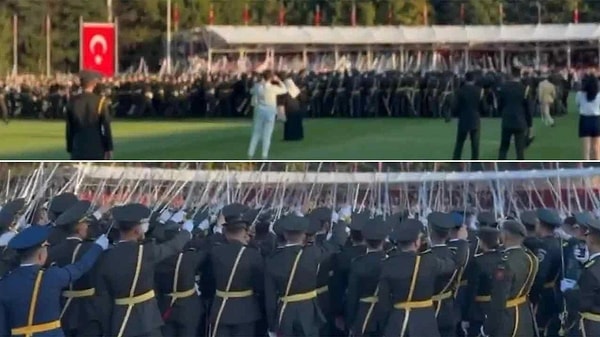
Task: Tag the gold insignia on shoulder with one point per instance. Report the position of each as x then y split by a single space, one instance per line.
589 263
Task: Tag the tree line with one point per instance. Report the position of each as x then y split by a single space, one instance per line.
142 23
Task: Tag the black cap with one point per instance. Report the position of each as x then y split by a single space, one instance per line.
487 219
74 214
488 234
457 218
233 212
593 225
293 223
407 231
549 216
62 202
358 220
375 229
129 216
30 237
321 214
582 218
529 219
441 220
14 206
6 219
514 227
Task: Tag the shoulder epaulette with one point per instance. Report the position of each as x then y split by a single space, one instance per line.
428 250
589 263
478 255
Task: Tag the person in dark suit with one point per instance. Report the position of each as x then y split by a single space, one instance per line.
30 295
125 283
467 106
516 116
293 128
88 133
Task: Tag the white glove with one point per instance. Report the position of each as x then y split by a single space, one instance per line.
567 284
204 225
102 241
482 332
562 234
188 226
218 229
346 212
335 217
22 222
464 325
164 216
272 334
178 217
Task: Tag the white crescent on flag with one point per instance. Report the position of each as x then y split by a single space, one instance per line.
98 39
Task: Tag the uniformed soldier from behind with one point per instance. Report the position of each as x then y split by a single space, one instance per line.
440 225
79 316
479 278
175 280
354 248
546 286
56 207
405 294
8 227
588 284
530 220
126 274
291 281
238 277
89 134
467 106
363 314
30 295
516 116
575 255
459 286
510 312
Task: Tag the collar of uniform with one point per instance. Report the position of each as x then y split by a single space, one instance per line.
595 255
27 265
454 240
374 251
439 245
74 238
291 245
512 248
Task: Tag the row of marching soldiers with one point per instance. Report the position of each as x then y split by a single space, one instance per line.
320 274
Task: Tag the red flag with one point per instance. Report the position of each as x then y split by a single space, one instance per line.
246 15
211 15
353 14
97 47
318 16
281 14
576 15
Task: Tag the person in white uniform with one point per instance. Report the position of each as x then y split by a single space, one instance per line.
264 101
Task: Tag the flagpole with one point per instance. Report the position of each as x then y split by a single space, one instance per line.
116 23
48 46
109 10
15 44
168 59
80 43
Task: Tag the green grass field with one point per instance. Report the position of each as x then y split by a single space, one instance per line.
325 139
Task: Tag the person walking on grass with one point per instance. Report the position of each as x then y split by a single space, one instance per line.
264 101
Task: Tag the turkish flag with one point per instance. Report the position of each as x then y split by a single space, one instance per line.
97 47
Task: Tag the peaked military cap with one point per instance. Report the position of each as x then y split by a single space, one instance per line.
14 206
488 234
129 216
375 229
233 212
583 218
514 227
62 202
441 220
487 219
593 225
293 223
74 214
407 231
30 237
321 214
457 218
358 220
529 218
6 219
549 216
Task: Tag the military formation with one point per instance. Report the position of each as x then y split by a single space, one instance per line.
131 270
350 94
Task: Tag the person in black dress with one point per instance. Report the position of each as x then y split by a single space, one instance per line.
293 129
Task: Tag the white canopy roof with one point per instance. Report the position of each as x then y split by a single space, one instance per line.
311 35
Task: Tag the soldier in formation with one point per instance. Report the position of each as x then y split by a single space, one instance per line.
240 271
